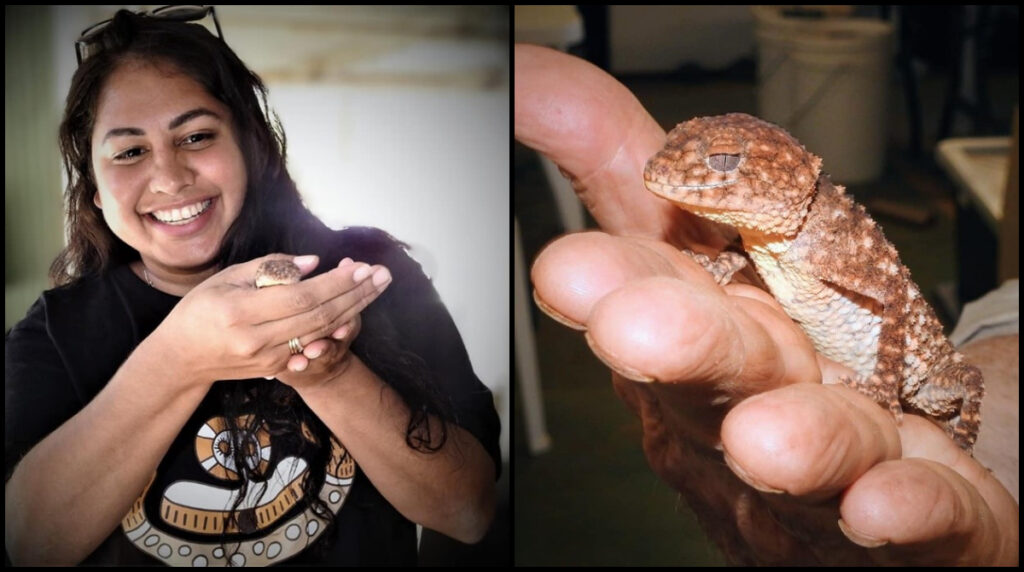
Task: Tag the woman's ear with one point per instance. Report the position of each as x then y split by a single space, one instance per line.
96 200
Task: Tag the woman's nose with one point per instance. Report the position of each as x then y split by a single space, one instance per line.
171 173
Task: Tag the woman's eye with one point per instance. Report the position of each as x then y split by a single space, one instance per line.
197 138
128 155
194 141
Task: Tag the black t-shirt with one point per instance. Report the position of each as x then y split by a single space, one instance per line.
75 338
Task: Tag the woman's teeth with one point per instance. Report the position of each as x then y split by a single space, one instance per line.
182 215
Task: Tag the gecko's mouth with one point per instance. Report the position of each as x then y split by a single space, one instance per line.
690 187
672 191
694 200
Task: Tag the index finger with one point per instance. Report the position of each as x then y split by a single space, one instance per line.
595 129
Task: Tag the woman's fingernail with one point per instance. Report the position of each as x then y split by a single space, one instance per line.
299 366
340 332
381 278
361 273
860 539
314 354
306 260
344 261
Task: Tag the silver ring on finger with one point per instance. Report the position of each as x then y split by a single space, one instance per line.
294 346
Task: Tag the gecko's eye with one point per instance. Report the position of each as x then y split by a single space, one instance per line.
724 162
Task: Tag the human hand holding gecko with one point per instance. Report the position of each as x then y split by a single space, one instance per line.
739 422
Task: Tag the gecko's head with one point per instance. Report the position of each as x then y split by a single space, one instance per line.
738 170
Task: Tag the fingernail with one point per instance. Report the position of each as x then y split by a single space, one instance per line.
268 377
747 477
299 367
340 332
314 354
628 373
361 273
306 260
344 261
381 278
860 539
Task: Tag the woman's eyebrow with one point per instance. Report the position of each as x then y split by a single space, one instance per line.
174 124
189 116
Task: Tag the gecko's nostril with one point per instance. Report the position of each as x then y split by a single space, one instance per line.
723 162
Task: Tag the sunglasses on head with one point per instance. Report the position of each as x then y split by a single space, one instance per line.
85 46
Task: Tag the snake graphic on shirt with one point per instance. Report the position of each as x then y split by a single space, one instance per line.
267 529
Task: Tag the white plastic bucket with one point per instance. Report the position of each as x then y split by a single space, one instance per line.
826 82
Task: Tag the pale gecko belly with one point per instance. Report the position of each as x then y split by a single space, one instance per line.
842 325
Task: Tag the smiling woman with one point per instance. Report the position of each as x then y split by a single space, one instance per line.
160 408
169 182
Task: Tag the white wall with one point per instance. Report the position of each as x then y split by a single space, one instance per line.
431 167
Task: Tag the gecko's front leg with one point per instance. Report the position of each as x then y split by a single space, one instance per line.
952 397
721 268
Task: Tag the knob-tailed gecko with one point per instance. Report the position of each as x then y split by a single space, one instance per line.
824 259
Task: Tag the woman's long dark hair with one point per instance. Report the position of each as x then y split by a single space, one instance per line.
273 219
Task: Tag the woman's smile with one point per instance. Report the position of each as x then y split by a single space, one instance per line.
185 221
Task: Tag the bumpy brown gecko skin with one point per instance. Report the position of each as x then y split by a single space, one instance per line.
825 261
275 272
